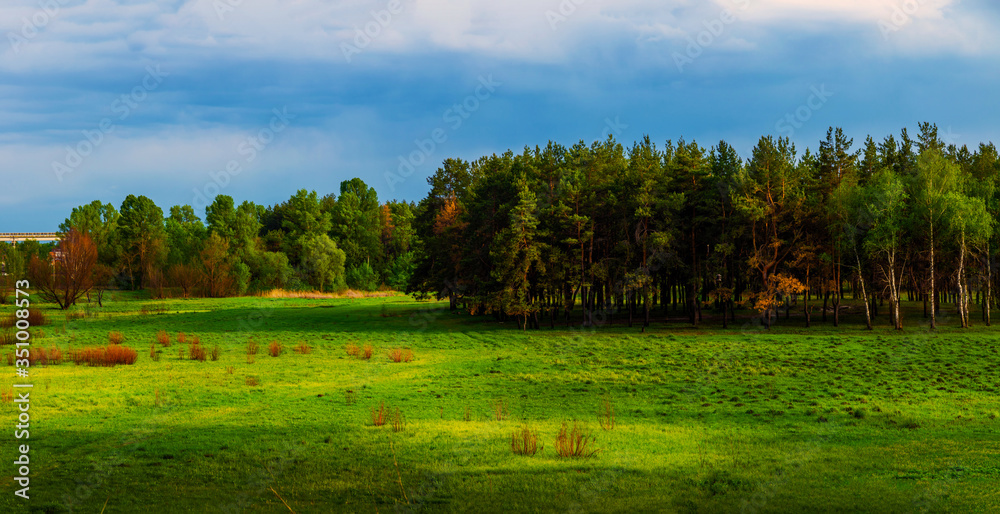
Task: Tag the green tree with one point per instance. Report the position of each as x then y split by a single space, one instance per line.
143 237
324 261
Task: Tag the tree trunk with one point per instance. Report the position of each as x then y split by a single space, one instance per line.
933 293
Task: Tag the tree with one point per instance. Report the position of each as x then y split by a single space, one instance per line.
935 180
884 203
324 261
216 267
142 234
68 275
303 218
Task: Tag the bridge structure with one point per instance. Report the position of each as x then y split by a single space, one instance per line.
20 237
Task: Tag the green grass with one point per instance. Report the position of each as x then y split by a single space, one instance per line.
707 420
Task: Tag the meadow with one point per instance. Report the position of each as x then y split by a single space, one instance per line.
676 419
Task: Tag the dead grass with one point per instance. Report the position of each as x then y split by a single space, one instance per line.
366 352
398 421
401 355
252 381
230 369
7 338
524 442
606 414
196 352
7 395
380 415
181 338
314 295
575 442
163 338
36 318
195 340
153 354
116 337
303 349
109 356
275 349
499 408
352 350
215 352
349 397
252 349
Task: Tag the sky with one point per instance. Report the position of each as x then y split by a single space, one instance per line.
180 100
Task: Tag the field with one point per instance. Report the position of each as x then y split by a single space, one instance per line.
704 419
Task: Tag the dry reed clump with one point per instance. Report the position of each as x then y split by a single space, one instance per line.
7 395
398 421
109 356
153 354
215 352
353 350
606 415
524 442
380 415
366 352
36 318
312 295
401 355
163 338
7 338
230 369
181 338
275 349
195 340
116 337
252 381
39 355
499 409
575 442
252 349
196 352
303 349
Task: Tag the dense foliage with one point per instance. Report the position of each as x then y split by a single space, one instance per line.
621 232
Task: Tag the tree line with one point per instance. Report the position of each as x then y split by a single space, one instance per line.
590 232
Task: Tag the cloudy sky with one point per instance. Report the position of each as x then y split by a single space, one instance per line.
182 99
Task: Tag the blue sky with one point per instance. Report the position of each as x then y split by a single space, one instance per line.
180 99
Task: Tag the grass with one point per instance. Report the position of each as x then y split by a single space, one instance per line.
705 419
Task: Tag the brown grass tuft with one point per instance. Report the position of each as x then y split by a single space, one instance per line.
275 348
366 352
230 369
252 381
303 349
7 395
215 352
524 442
349 397
606 414
499 409
380 415
398 421
153 354
353 350
36 318
196 352
110 356
181 338
116 337
574 443
401 355
163 338
7 338
195 340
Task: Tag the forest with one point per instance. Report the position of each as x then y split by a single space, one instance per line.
586 233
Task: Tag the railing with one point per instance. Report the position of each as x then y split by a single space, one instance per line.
14 237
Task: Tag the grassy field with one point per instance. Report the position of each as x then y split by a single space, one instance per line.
706 420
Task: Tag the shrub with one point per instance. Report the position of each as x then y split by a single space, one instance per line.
215 352
366 352
110 356
163 338
606 415
181 338
116 337
353 350
379 415
36 318
153 354
180 352
499 409
401 355
252 347
196 352
574 443
302 348
524 442
275 348
7 396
